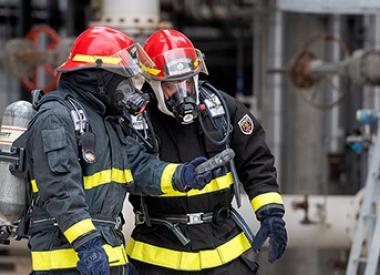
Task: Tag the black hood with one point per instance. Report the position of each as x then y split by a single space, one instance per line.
92 86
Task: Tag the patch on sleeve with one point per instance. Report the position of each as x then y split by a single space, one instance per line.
246 125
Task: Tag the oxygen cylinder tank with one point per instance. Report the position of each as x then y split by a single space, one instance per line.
12 189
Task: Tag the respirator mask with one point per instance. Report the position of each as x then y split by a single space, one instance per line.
181 99
128 99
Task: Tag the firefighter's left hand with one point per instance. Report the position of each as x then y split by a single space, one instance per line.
272 226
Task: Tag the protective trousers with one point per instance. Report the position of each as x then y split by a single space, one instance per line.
117 270
246 264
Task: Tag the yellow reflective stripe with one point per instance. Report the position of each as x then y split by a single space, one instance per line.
217 184
106 176
102 177
264 199
68 258
152 71
196 63
34 186
188 261
78 229
113 60
166 178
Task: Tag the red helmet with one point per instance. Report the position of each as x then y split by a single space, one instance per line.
102 48
171 56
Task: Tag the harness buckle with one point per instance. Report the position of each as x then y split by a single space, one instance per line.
139 218
195 218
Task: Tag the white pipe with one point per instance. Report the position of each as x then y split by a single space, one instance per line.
368 95
275 85
376 42
335 130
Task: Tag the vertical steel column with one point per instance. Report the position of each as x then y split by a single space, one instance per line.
334 114
376 45
275 84
257 61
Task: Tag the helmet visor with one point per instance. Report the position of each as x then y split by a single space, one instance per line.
176 64
179 89
123 62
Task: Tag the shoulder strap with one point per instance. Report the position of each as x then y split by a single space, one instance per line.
85 136
215 111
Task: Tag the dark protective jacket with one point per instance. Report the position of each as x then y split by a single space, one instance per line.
214 243
74 201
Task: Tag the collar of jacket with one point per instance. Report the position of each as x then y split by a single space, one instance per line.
83 86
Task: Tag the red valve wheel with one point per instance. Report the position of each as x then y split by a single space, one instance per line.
30 83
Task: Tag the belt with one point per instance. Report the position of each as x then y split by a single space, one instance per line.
217 217
172 222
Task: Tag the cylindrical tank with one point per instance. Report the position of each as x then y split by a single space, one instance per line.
12 189
133 17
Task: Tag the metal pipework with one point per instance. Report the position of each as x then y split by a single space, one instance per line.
363 67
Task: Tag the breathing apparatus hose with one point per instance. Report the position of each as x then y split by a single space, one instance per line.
225 140
126 123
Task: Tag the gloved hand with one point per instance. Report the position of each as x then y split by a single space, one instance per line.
272 226
92 258
185 178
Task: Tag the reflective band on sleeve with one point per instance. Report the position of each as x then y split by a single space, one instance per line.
188 261
113 60
100 178
79 229
67 258
264 199
217 184
107 176
34 186
166 178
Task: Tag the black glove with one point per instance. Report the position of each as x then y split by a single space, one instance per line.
185 178
93 260
272 226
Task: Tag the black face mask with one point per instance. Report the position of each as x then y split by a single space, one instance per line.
128 99
184 109
120 96
183 105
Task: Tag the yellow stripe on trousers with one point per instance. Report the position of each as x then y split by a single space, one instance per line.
68 258
188 261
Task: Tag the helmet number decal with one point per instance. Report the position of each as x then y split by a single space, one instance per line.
246 125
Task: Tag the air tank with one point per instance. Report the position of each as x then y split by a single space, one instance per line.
12 189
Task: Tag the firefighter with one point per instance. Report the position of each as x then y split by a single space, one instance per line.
190 118
82 163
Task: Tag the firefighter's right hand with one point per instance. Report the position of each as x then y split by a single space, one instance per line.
92 258
185 178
